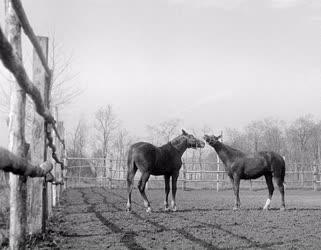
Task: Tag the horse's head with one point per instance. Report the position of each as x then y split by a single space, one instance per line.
191 141
212 139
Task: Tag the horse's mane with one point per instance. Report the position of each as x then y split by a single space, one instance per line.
233 151
172 142
166 145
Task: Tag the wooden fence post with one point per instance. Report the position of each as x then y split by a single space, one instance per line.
54 188
64 172
100 172
218 181
315 177
59 167
48 197
79 169
65 161
38 188
17 144
110 174
217 174
184 176
104 171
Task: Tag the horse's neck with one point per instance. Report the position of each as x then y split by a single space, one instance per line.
225 154
178 145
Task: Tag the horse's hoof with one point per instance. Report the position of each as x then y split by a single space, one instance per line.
174 209
148 210
166 209
128 209
282 208
266 208
236 208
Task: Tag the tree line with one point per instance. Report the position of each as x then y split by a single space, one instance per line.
298 141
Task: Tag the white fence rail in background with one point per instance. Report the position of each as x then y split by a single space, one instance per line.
111 173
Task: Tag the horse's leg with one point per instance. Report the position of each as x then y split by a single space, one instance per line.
174 189
279 182
167 188
269 183
141 186
130 181
236 188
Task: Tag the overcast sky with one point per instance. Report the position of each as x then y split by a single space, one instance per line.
216 63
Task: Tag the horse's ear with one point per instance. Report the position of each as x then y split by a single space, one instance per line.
219 137
184 132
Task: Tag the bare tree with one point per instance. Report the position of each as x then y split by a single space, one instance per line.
302 130
62 86
78 140
254 133
299 142
238 139
198 156
299 136
202 152
105 126
164 131
121 146
273 135
315 142
63 89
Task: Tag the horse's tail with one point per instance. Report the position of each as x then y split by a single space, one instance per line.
278 166
282 166
283 176
276 163
130 160
129 157
131 166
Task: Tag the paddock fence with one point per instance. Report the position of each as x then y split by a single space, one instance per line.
111 173
31 199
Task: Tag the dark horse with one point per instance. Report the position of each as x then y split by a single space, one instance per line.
239 166
164 160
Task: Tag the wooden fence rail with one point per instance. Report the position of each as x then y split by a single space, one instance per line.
11 56
9 162
83 172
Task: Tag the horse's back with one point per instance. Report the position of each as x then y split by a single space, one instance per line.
155 160
142 154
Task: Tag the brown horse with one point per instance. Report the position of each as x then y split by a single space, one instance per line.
164 160
239 166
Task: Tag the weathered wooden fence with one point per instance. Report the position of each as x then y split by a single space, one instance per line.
86 172
31 200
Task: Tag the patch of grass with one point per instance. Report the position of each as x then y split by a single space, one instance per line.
52 237
4 216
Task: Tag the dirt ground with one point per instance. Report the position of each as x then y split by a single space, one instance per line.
95 218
